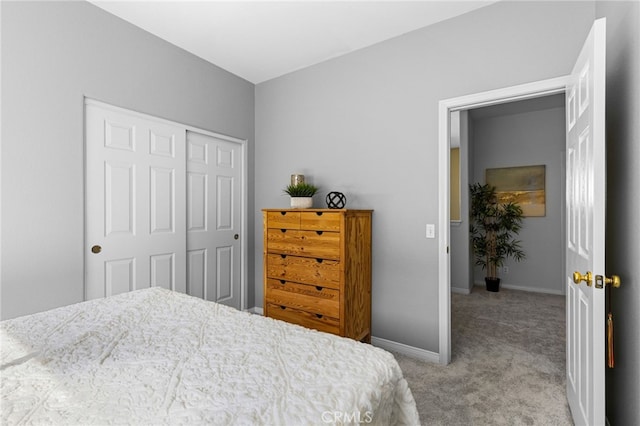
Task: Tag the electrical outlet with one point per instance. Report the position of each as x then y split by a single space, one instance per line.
505 269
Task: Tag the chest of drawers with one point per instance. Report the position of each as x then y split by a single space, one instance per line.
317 269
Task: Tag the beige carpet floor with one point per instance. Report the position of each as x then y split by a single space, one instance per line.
507 367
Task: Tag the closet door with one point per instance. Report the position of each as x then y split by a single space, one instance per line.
214 219
135 203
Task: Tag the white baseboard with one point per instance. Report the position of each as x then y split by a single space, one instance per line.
460 290
407 350
255 310
524 288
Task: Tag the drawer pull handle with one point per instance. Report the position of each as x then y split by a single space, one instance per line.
319 213
283 213
284 256
319 288
319 260
319 232
319 315
283 230
283 307
283 282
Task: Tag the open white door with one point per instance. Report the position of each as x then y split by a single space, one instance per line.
586 179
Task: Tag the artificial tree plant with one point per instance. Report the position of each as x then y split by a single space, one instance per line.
493 228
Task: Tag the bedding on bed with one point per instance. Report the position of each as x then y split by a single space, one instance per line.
155 356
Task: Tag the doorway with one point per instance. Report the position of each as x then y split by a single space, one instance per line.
529 133
446 107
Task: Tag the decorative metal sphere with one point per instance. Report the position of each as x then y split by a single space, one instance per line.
336 200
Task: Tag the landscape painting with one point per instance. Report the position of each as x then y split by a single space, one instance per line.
523 185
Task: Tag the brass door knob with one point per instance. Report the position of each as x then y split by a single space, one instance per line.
601 281
614 281
587 278
96 249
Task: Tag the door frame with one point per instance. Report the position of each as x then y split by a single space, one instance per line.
445 107
187 128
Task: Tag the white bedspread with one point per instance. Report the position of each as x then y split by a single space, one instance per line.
160 357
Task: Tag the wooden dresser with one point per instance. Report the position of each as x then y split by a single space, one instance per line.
317 269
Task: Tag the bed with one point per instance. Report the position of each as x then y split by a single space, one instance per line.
155 356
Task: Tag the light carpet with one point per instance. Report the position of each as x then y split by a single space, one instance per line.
507 367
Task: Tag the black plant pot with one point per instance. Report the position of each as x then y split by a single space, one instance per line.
493 284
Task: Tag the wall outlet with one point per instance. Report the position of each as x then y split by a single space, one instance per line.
505 269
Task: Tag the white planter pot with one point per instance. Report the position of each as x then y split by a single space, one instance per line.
301 202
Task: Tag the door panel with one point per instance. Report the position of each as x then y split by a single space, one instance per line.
197 272
162 200
135 198
120 276
162 266
197 199
119 191
214 192
586 180
224 278
224 203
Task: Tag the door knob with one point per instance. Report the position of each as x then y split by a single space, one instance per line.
614 281
235 237
96 249
601 281
577 277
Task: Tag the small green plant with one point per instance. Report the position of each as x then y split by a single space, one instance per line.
301 190
493 227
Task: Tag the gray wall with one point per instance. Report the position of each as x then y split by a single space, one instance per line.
528 133
623 204
52 55
461 265
367 124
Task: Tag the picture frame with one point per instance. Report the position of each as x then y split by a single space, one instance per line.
524 185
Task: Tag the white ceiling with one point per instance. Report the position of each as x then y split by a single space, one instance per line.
261 40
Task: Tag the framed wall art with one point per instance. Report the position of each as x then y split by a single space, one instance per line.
524 185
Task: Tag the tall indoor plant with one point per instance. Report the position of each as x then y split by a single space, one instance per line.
492 231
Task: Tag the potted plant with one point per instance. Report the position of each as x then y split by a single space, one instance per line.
301 195
492 231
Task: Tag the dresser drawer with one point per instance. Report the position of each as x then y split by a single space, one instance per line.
325 273
306 319
283 220
309 298
321 244
320 221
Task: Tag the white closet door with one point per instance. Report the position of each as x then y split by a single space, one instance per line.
135 198
214 200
